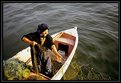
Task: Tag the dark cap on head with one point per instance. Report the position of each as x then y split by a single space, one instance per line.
42 27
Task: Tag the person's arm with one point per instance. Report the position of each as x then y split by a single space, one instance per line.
29 41
57 55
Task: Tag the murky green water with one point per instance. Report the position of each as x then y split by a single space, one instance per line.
97 55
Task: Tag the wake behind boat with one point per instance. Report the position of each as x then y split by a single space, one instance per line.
66 43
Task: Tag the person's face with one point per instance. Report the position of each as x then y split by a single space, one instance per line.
45 32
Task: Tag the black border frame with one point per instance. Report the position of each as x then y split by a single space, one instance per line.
43 1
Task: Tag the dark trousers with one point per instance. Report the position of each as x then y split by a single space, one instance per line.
41 61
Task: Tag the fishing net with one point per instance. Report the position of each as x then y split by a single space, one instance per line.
13 69
89 73
83 72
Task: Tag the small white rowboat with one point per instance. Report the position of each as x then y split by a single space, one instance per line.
65 41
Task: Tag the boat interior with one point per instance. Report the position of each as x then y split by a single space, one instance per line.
65 43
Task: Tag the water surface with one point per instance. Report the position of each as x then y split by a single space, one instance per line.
97 24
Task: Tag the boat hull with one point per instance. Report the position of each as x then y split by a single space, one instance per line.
67 38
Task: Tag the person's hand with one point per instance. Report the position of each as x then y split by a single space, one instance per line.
34 43
60 59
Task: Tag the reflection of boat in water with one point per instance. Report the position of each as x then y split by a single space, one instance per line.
66 42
